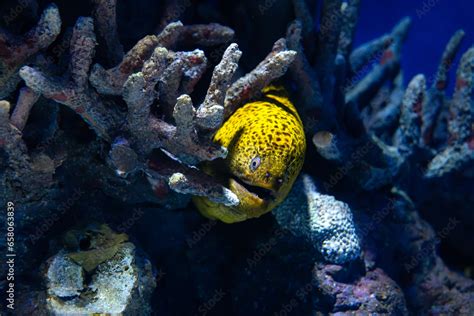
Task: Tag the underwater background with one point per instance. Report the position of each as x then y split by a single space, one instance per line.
433 23
108 116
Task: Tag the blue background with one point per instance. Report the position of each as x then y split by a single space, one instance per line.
429 33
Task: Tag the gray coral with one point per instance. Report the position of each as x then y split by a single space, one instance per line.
121 280
152 73
134 127
15 51
326 222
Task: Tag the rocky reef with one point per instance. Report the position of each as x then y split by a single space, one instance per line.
106 118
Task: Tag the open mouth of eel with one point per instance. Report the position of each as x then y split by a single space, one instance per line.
257 193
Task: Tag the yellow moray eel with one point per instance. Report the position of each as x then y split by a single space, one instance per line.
266 144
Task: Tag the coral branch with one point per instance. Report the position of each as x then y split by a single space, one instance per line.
369 51
301 70
26 100
111 81
188 180
437 92
451 159
388 68
350 12
147 131
29 175
210 113
446 61
184 71
249 86
460 150
410 119
303 14
184 143
206 34
166 68
106 23
385 119
15 51
460 121
74 92
82 51
193 184
328 40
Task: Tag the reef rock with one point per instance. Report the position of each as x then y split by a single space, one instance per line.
324 221
105 274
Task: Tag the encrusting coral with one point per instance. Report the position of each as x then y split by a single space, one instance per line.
325 222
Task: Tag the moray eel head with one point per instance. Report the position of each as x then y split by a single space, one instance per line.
266 144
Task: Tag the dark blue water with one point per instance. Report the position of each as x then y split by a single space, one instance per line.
433 23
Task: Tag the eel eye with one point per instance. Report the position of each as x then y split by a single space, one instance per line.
254 163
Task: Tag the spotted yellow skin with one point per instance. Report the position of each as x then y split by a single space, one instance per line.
269 134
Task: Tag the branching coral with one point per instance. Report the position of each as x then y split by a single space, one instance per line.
152 116
460 150
74 91
15 51
422 120
106 21
364 104
111 81
152 76
250 85
27 174
336 117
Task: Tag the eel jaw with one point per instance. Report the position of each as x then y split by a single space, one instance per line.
254 194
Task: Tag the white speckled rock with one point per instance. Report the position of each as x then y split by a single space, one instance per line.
122 284
65 277
322 219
